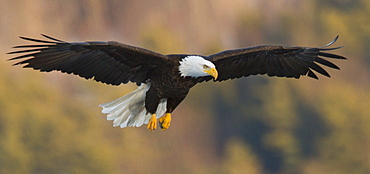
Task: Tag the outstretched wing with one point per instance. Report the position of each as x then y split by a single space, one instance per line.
108 62
281 61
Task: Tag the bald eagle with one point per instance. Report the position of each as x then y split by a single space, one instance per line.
165 80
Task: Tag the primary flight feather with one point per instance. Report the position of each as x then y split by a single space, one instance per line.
165 80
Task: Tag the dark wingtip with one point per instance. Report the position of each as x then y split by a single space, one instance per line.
323 48
328 49
312 75
36 40
24 38
332 42
44 35
329 55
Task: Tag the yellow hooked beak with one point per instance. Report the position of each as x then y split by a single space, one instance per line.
213 72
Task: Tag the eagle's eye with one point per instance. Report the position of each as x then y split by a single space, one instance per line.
205 67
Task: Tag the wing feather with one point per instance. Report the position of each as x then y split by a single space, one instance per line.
311 74
262 65
330 55
298 69
277 67
291 72
270 67
108 62
326 63
318 69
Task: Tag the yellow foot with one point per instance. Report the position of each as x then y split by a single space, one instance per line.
152 125
165 121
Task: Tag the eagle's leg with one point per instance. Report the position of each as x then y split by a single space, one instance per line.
152 125
165 121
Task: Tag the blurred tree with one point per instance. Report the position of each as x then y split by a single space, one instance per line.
239 158
37 136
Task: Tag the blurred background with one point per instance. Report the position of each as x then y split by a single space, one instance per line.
51 122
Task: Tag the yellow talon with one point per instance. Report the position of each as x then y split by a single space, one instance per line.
152 125
165 121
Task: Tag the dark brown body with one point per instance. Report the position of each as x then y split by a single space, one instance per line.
168 85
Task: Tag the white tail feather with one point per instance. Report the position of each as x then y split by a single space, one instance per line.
129 110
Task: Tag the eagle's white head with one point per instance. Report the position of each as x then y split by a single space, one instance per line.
196 66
